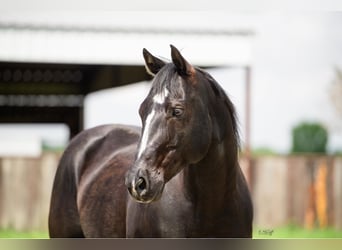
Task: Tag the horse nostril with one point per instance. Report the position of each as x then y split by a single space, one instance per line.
141 184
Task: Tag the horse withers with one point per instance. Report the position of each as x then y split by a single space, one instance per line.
181 170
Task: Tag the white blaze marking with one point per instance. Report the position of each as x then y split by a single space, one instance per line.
158 99
146 133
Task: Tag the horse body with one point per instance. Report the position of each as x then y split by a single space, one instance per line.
181 169
89 194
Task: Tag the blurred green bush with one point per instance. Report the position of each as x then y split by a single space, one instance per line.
309 138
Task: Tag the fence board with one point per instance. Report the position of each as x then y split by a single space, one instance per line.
338 193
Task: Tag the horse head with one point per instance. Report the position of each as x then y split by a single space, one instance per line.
179 124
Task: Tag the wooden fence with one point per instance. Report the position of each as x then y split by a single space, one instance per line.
25 189
306 190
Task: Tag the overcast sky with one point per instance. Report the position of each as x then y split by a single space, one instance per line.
294 55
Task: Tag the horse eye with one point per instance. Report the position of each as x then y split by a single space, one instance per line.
177 112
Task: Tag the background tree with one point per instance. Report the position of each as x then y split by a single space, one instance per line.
309 138
313 138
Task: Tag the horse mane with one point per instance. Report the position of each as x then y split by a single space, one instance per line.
222 98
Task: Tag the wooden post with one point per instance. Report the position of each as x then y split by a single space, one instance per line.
247 146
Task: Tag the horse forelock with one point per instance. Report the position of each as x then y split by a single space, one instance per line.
166 84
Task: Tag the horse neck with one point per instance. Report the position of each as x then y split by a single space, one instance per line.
212 181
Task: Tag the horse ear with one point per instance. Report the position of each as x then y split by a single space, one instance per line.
183 67
152 63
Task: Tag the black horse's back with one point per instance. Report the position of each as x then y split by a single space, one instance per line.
85 155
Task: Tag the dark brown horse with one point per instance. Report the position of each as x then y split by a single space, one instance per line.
182 173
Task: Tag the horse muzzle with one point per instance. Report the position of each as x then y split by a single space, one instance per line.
143 187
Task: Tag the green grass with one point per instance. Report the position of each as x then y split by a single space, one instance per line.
295 232
12 234
286 232
264 151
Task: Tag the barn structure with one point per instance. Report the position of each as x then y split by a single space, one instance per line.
47 68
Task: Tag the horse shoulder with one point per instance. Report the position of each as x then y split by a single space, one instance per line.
244 206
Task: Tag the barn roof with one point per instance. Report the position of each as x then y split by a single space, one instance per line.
105 43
